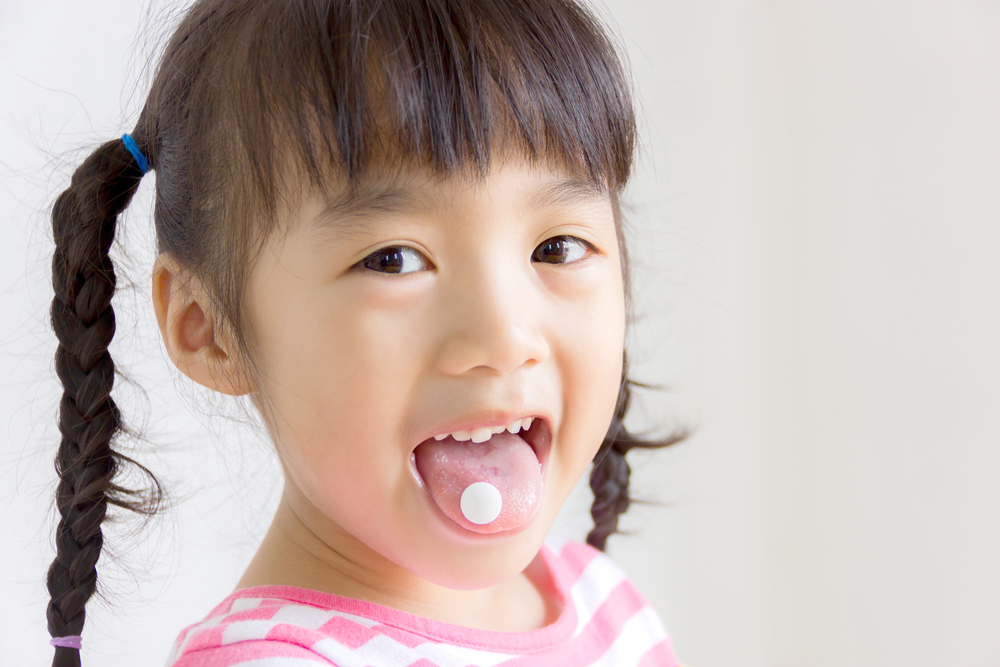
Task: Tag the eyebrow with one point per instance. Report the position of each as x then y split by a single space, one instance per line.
353 212
567 192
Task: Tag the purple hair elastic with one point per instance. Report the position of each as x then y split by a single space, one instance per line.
72 641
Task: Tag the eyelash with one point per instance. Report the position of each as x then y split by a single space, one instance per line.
400 249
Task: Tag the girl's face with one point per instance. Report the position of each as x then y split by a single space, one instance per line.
425 307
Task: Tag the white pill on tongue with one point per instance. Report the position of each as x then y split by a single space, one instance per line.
506 462
481 503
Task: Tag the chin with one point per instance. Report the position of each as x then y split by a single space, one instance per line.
481 562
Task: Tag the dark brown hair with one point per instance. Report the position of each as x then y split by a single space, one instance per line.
334 91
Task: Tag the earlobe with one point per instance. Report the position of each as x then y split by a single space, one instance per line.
191 333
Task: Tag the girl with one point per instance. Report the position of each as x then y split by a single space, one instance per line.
395 225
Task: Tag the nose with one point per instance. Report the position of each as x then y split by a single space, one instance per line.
493 322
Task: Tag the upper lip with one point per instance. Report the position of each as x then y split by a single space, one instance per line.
486 419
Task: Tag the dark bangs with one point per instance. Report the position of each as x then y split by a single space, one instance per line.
440 84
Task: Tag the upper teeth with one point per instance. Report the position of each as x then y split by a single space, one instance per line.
484 433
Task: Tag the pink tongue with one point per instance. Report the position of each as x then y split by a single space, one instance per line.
506 461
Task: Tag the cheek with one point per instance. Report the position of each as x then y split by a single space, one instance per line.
316 357
594 327
591 345
594 373
335 386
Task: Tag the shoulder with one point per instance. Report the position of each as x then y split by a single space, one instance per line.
579 565
283 626
611 612
258 630
255 653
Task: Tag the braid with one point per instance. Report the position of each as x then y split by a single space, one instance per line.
83 225
610 475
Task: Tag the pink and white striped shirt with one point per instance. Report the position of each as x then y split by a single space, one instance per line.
604 621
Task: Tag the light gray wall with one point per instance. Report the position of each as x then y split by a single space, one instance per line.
815 225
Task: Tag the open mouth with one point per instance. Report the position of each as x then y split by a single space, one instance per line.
488 479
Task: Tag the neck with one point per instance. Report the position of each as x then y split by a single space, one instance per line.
292 554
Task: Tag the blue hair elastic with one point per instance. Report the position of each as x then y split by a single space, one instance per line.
140 159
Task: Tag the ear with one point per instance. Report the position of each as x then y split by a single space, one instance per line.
193 335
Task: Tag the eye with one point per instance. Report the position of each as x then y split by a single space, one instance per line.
395 259
561 250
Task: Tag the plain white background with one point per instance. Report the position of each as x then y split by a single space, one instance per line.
816 222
